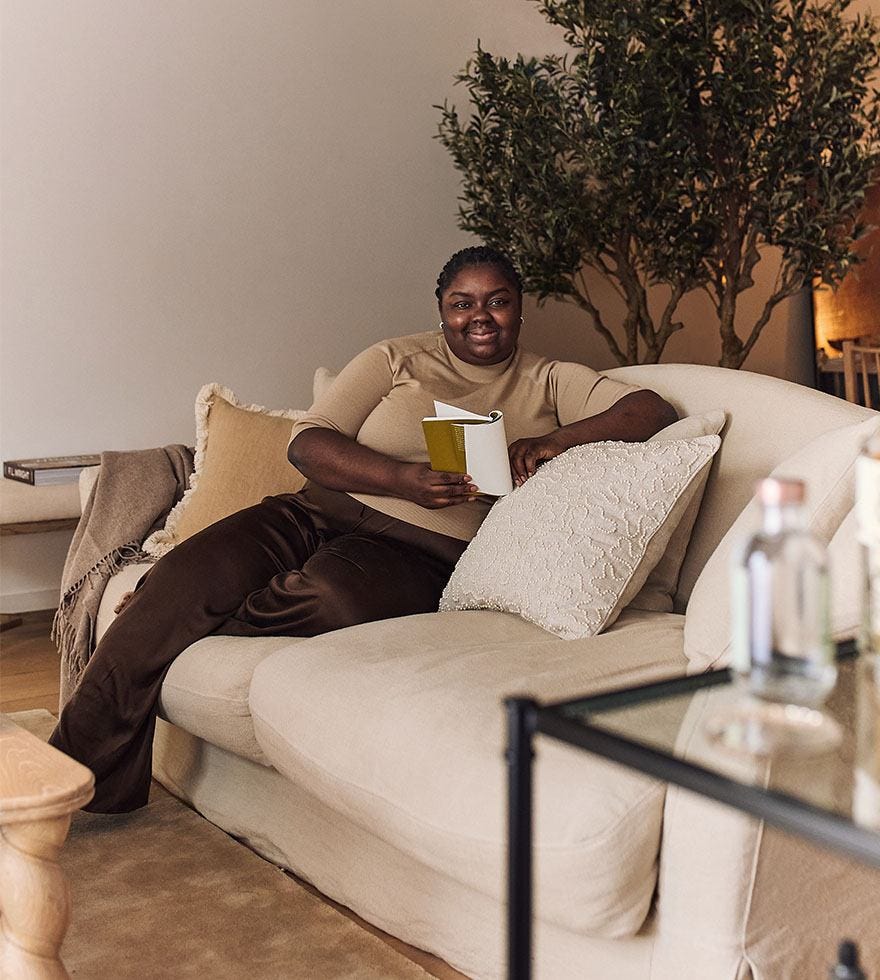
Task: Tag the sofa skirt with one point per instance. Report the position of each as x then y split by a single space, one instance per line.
390 889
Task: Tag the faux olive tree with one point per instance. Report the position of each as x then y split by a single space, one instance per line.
674 144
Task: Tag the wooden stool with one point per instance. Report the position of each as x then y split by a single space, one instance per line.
40 788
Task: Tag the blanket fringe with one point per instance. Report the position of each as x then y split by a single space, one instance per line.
64 631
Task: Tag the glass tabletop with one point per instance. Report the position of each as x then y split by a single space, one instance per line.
699 732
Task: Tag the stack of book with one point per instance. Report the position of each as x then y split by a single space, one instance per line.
48 470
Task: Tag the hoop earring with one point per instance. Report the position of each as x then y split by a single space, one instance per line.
522 320
442 325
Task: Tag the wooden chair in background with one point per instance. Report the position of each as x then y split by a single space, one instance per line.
861 362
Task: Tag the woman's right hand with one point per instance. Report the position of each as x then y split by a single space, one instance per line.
337 462
434 488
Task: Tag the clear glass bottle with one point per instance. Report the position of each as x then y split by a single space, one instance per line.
866 786
868 530
782 650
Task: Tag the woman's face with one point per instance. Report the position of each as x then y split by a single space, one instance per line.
481 313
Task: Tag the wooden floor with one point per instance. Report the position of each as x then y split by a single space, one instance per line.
29 665
29 678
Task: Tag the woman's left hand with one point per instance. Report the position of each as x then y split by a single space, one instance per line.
526 455
633 418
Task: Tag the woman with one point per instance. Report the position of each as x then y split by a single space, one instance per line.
375 532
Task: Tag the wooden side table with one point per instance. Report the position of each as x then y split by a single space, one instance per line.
40 788
36 527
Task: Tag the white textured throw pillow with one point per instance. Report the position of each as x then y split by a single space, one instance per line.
572 546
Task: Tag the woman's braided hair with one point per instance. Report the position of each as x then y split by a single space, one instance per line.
478 255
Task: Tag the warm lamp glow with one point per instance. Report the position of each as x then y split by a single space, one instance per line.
854 309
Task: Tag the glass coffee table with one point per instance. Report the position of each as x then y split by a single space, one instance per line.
814 795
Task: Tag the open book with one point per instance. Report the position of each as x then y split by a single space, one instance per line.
459 441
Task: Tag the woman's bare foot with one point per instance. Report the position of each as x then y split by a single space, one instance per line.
123 602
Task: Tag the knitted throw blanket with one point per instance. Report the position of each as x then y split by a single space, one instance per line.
131 497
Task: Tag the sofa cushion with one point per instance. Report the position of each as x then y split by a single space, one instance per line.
241 457
827 466
206 689
845 572
574 544
658 592
399 725
768 420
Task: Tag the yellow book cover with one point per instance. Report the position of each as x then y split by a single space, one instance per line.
459 441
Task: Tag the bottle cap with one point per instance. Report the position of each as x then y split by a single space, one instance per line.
776 490
847 966
871 446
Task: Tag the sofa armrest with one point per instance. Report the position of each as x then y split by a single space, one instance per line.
738 889
707 851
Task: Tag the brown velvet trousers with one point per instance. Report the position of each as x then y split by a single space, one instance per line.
294 565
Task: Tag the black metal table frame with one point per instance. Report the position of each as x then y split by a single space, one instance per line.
527 718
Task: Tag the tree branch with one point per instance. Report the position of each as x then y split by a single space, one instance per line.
582 299
638 317
751 255
792 287
667 327
612 274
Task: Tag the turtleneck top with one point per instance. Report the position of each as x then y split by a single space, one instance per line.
380 398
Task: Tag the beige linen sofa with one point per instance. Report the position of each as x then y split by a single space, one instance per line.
370 760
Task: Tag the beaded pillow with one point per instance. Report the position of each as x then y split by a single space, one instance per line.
571 547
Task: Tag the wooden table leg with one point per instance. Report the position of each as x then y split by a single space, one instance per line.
35 899
40 788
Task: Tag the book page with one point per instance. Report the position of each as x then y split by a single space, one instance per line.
444 411
486 455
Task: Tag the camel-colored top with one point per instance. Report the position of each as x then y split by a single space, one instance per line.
380 398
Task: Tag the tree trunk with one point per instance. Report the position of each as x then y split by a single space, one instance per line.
732 354
732 358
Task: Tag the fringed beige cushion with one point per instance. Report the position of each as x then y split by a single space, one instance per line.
241 457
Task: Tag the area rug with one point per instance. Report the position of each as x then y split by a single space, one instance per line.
163 893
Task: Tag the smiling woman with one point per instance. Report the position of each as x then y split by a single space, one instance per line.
479 293
374 534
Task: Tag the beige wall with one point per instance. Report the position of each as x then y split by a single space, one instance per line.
213 190
221 190
218 190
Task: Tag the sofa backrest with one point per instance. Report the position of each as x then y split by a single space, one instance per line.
768 420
